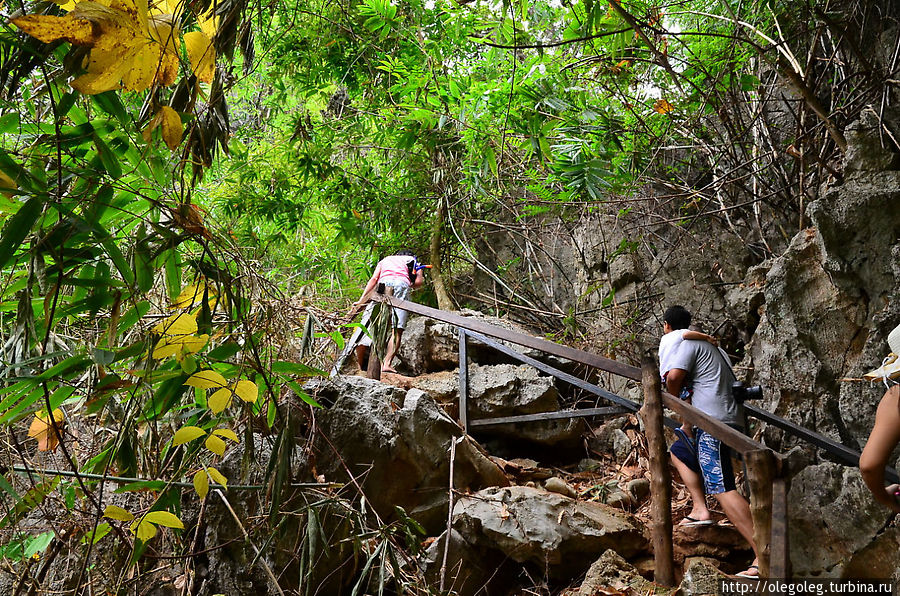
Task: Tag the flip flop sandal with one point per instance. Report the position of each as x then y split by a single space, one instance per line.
747 574
689 521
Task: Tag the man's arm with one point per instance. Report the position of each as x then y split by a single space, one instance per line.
419 280
675 380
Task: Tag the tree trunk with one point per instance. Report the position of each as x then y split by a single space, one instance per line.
437 226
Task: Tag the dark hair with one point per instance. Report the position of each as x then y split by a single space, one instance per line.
405 252
677 317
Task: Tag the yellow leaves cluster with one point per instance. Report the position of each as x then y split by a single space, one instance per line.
202 478
46 433
133 45
178 337
214 442
221 398
144 527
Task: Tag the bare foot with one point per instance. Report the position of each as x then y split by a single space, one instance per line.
387 369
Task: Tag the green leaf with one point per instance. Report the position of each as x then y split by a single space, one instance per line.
491 159
9 122
303 394
109 160
94 537
18 227
152 485
38 544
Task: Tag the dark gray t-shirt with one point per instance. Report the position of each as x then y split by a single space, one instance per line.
708 369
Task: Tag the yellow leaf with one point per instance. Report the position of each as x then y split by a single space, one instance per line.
201 54
186 434
191 294
46 434
206 379
66 5
165 347
216 445
171 127
164 518
661 106
247 391
194 343
228 434
217 476
6 184
114 512
145 531
219 400
48 28
209 24
180 324
201 483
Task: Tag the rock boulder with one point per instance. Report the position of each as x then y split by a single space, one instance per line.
546 529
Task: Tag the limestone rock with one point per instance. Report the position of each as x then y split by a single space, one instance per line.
835 525
546 529
722 542
864 149
701 577
559 486
638 488
469 570
397 444
612 572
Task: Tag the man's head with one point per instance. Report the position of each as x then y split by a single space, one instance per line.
677 317
405 252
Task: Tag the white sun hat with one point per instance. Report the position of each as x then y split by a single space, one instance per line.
890 366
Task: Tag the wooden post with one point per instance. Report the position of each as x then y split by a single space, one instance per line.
660 479
374 369
463 380
761 467
780 566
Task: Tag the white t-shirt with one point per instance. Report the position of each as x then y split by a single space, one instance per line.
668 345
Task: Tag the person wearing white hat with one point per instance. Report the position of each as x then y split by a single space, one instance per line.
885 433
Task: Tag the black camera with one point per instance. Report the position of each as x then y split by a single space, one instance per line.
741 393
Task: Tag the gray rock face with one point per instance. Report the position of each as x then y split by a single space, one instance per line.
546 529
701 576
864 149
397 444
836 528
612 571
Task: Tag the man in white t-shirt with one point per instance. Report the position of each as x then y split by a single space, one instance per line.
710 372
399 272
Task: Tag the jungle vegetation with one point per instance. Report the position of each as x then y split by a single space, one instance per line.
192 191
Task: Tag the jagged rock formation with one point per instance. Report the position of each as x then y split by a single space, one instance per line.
396 445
